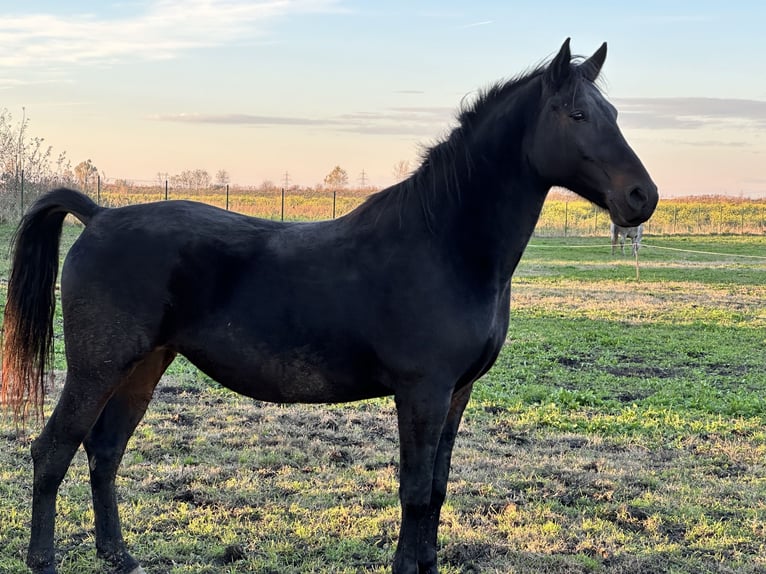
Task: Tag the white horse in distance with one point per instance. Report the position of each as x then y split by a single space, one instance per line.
620 234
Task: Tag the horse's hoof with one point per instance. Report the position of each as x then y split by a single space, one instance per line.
41 567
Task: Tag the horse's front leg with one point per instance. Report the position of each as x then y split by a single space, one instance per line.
422 413
442 467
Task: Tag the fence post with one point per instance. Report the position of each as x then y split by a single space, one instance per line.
566 217
333 203
166 190
227 197
720 220
283 204
98 189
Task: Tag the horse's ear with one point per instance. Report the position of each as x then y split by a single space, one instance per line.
558 70
592 66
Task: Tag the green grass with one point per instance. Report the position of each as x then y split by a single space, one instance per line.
622 430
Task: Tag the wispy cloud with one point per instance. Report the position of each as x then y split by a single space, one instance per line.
413 121
707 143
11 83
161 30
691 113
243 119
419 121
635 113
477 24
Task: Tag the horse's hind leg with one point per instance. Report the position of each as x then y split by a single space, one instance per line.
80 404
105 446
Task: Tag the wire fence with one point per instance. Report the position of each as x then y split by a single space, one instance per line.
287 204
720 215
562 214
755 261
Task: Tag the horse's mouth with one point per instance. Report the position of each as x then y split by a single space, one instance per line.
633 221
629 222
633 206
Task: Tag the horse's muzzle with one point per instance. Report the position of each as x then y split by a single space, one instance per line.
635 205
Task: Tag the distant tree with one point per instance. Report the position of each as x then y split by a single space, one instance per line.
337 178
191 179
85 173
222 178
21 153
179 180
401 170
26 158
201 179
267 185
122 186
63 171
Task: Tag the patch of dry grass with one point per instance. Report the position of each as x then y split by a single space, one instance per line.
211 476
647 301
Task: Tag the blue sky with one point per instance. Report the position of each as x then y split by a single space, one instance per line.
260 88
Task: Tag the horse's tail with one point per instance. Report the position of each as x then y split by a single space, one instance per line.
31 300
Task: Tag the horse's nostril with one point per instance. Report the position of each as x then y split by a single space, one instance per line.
637 198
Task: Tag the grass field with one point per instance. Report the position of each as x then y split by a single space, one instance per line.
621 431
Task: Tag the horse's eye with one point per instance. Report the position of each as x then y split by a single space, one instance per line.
577 115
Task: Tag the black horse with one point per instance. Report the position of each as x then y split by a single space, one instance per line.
408 296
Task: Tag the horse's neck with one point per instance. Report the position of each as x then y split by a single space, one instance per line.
506 196
474 195
500 223
487 207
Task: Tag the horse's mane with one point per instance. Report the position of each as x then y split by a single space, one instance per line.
486 102
448 163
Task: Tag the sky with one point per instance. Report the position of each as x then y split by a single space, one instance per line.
267 88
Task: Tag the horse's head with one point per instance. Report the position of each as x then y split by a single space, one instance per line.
576 143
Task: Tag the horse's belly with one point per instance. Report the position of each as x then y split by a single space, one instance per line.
290 377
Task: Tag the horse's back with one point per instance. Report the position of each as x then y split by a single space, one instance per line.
270 309
123 276
138 246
